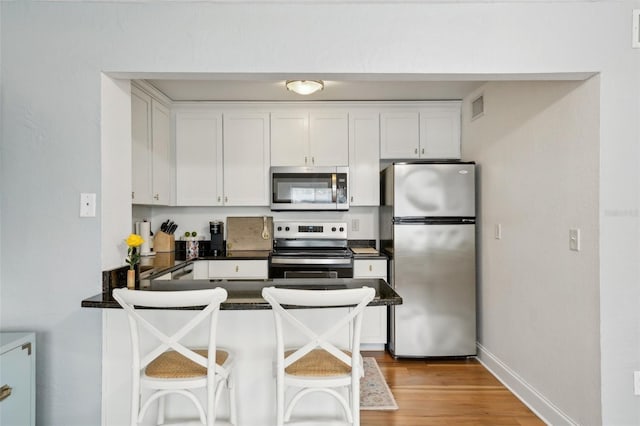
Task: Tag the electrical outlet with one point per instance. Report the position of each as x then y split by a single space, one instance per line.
87 205
574 239
497 232
355 225
636 382
635 28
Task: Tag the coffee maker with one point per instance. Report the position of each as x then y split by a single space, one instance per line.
216 229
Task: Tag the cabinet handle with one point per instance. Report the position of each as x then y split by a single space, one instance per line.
27 346
237 268
415 151
313 160
226 199
370 268
133 195
156 197
305 160
352 198
422 151
5 392
219 199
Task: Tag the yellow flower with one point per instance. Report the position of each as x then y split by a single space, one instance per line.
134 240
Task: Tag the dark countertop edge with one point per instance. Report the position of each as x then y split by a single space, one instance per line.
106 301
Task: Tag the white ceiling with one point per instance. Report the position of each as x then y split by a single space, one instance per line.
338 87
334 90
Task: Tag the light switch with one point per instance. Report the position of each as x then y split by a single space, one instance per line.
87 205
574 239
498 231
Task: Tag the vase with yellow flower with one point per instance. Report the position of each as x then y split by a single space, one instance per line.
133 258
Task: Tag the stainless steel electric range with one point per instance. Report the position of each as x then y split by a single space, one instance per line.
310 250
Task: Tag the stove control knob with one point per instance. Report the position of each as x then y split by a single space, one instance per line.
341 229
286 228
333 229
279 228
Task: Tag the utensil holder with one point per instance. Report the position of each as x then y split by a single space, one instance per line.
163 242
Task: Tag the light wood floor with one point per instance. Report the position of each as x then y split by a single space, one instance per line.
443 393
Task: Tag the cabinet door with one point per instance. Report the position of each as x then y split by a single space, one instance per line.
329 139
141 150
364 159
399 135
198 158
246 159
201 270
440 131
374 323
160 141
290 139
238 269
16 372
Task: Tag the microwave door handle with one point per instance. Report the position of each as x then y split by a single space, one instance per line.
334 188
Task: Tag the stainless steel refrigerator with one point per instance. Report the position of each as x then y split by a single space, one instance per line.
427 227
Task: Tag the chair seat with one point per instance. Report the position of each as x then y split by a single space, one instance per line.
318 363
173 365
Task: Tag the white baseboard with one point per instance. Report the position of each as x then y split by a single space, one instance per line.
526 393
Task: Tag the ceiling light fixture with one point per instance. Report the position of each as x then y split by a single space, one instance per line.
304 87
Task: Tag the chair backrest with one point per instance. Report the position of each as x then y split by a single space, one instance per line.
209 299
357 299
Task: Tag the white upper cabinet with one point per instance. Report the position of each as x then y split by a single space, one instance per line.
246 159
440 131
198 158
290 138
399 134
301 138
222 158
151 150
364 159
427 132
329 139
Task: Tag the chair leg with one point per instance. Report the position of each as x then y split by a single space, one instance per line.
279 400
161 408
355 401
135 402
233 414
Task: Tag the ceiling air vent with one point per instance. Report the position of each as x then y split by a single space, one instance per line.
636 28
477 107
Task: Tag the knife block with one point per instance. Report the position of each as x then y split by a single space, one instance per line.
163 242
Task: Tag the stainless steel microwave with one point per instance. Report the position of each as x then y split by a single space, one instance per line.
309 188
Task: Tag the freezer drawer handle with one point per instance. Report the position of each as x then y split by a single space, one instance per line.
5 392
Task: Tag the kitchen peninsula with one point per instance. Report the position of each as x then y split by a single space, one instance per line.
245 326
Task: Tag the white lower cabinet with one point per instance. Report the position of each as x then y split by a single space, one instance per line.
201 270
374 323
17 379
238 269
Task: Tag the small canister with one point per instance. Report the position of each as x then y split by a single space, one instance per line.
192 247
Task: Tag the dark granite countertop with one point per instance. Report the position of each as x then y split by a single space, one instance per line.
247 294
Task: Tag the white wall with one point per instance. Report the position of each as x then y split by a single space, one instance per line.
537 150
198 218
52 57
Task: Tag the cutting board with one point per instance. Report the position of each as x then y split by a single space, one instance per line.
245 233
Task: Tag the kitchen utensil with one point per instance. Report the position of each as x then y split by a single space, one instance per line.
172 228
265 230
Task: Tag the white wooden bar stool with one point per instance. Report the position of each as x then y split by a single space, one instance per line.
172 368
318 365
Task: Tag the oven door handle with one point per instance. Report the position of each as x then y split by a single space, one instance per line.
282 260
